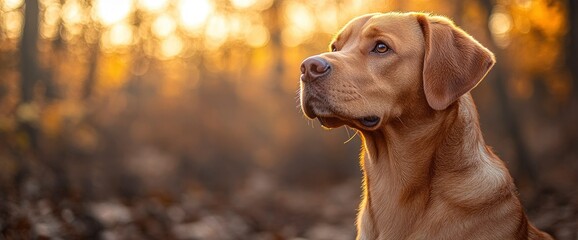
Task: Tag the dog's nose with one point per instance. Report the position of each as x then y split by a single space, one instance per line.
314 67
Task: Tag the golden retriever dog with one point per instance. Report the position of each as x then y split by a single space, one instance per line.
403 81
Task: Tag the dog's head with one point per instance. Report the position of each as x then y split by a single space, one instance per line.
382 66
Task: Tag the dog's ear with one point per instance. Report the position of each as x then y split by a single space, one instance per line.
454 62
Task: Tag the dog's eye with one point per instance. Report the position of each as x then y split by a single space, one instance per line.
380 47
333 48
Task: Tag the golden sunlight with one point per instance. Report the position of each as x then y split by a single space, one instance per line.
9 5
194 13
216 32
109 12
242 4
500 26
257 5
171 47
49 26
238 24
257 36
73 16
72 12
13 24
249 29
119 35
330 14
500 23
300 16
524 3
300 23
163 26
153 5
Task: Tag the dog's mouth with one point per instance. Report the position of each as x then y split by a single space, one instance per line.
315 107
330 119
364 123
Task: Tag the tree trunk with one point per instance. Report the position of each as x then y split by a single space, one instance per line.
572 62
90 80
29 52
572 47
29 70
277 45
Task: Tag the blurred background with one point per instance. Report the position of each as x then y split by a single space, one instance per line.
158 119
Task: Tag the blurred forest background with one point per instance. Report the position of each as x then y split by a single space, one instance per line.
158 119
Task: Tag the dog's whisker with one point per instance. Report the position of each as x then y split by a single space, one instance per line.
363 98
402 123
350 138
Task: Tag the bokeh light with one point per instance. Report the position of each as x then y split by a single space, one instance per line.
119 35
163 26
153 5
257 36
50 21
300 23
500 26
112 11
242 4
13 24
194 13
216 32
72 12
9 5
171 47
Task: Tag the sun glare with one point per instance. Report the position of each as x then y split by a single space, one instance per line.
109 12
194 13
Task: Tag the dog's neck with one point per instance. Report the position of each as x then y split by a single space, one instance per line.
401 159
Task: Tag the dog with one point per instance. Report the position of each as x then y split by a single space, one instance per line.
403 81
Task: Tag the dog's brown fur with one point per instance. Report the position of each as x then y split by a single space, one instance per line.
427 171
